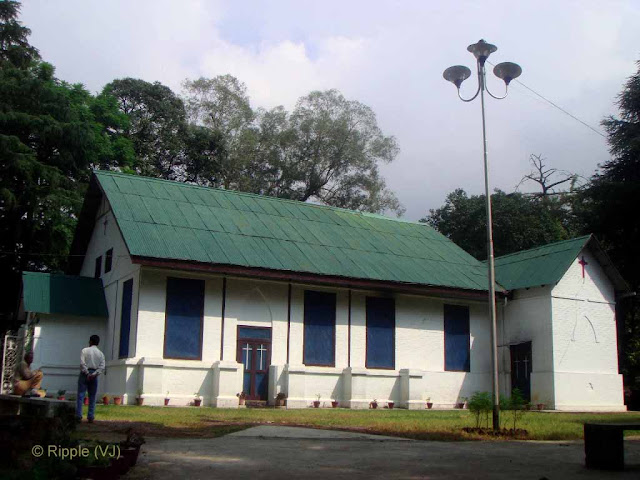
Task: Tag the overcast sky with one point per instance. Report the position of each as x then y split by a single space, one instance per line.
387 54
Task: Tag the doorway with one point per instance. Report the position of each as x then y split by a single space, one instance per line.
254 352
521 367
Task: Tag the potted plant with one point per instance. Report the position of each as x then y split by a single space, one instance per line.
117 400
461 402
316 403
281 398
241 398
140 398
334 403
86 398
373 404
61 394
105 399
197 399
540 406
166 399
429 403
390 405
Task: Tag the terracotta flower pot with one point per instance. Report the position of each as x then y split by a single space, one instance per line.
334 404
139 401
61 397
460 405
373 405
117 400
280 402
166 401
105 400
86 400
316 404
540 406
197 402
429 405
390 405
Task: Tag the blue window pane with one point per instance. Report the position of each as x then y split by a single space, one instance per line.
261 385
246 383
247 356
319 328
258 333
183 330
125 318
456 338
381 324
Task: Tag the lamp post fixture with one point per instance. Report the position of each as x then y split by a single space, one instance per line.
457 74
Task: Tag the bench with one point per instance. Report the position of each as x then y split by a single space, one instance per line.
603 444
34 406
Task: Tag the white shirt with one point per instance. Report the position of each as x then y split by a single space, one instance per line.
92 358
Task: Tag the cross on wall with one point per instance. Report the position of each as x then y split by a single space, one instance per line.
583 263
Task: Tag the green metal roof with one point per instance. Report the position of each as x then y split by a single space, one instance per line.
63 294
170 220
538 266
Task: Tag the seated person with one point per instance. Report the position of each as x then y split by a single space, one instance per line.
27 382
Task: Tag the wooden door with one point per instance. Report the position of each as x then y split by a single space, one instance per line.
254 353
521 367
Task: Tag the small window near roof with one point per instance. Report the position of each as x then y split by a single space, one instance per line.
98 268
108 259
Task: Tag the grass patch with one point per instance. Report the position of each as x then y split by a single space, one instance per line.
422 424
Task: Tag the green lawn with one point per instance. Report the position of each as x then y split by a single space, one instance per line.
426 424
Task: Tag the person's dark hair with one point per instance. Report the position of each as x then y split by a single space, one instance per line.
94 340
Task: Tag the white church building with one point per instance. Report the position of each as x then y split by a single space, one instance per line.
201 291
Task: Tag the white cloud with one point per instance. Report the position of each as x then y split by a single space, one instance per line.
389 55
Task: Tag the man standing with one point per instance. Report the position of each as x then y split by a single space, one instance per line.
27 382
91 366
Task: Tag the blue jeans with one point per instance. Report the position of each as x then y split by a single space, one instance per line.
84 385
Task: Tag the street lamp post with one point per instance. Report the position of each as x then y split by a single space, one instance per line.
457 74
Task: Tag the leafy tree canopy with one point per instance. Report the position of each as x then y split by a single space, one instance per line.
51 135
328 149
519 222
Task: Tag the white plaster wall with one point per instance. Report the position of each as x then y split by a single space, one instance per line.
58 341
102 239
584 340
255 303
527 317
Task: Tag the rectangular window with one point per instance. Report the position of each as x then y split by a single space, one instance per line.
98 267
183 324
108 260
125 318
381 325
456 339
319 328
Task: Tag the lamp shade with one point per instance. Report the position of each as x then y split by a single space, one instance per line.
482 50
456 74
507 71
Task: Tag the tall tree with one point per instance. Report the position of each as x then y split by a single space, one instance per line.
328 149
14 37
156 127
49 140
607 206
519 222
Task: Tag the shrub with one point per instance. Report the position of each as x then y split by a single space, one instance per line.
481 406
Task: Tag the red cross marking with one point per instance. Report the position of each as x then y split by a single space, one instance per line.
583 262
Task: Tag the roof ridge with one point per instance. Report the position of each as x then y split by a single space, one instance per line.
267 197
542 246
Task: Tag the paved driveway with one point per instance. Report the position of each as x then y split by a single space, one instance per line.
289 452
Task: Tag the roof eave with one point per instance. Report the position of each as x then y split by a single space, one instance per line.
311 278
